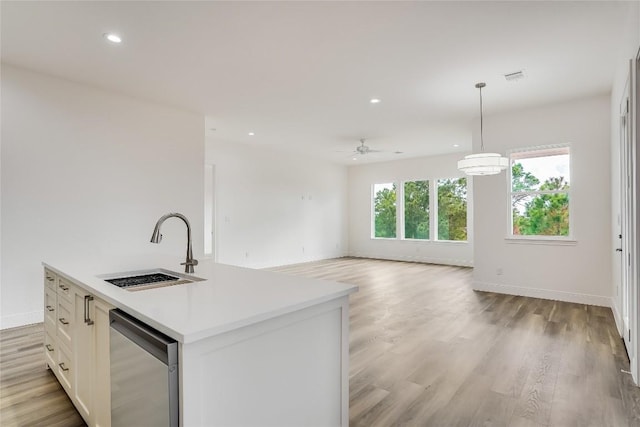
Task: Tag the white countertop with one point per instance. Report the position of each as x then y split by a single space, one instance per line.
229 297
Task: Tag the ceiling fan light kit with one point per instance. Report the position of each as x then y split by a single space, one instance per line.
483 163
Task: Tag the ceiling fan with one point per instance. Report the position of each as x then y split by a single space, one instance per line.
364 149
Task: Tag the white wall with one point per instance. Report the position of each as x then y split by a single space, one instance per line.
85 176
580 272
361 179
275 208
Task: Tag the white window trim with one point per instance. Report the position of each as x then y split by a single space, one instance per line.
372 222
435 210
540 239
430 239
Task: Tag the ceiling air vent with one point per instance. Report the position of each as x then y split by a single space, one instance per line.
512 77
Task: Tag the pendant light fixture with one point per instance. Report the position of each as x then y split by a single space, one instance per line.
483 163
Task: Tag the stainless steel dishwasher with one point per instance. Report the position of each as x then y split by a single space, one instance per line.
144 374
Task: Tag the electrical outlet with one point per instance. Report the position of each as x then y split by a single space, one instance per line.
499 271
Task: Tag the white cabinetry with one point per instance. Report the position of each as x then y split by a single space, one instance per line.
77 346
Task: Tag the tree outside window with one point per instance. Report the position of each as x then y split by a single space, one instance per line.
416 210
540 184
452 209
384 208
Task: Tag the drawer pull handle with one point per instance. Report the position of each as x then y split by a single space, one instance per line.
49 308
50 279
87 317
63 367
63 321
49 348
64 288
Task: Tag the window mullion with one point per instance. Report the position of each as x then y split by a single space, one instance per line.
400 210
433 205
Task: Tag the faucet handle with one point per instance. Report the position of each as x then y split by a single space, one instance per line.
188 265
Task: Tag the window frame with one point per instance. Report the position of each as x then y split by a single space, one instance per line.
539 238
436 217
403 235
372 199
433 210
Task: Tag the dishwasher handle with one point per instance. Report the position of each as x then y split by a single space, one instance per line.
162 347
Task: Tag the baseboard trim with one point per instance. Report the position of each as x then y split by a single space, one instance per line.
21 319
273 263
616 316
597 300
422 259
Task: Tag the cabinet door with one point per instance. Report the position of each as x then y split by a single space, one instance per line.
50 280
50 307
64 369
83 357
65 323
50 351
102 381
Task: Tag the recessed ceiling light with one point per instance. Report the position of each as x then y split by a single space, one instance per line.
374 101
355 158
251 133
456 145
113 38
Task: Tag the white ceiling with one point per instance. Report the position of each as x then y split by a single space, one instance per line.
300 74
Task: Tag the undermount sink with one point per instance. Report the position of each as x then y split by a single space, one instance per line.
148 279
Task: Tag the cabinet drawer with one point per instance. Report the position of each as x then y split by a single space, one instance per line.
64 322
50 308
50 280
64 369
50 351
64 289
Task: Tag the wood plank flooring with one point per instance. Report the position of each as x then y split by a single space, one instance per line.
425 350
30 395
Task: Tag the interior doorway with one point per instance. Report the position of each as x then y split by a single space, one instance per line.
210 212
627 219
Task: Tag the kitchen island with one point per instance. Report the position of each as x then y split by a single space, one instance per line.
256 348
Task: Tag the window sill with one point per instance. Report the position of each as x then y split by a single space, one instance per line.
541 241
447 242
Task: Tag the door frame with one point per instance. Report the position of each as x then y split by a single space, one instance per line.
634 105
627 218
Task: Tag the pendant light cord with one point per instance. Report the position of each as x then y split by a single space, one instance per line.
481 124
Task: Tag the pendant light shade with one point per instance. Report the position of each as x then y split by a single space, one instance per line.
482 163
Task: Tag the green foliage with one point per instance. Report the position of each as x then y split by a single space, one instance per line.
416 210
452 209
385 212
539 214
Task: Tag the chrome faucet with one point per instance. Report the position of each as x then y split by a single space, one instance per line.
157 238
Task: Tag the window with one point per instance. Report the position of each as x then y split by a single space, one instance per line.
403 210
452 209
539 194
416 210
384 210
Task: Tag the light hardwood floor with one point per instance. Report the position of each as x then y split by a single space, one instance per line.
29 393
425 351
